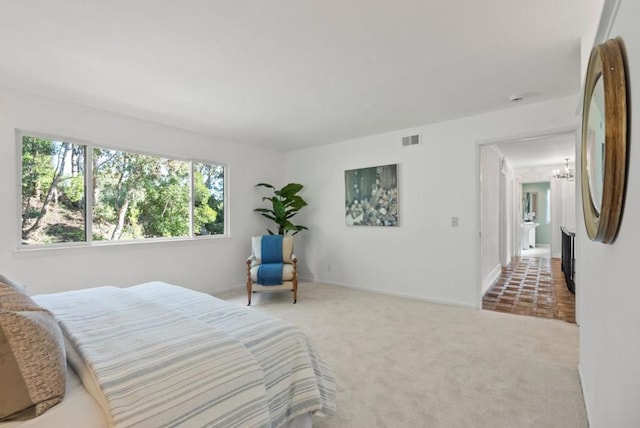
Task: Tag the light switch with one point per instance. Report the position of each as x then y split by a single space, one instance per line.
454 221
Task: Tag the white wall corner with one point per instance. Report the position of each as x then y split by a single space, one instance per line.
607 19
584 396
490 279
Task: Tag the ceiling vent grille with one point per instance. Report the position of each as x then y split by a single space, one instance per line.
411 140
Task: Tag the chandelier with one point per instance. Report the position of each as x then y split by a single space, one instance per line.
564 174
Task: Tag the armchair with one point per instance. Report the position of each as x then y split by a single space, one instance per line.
272 265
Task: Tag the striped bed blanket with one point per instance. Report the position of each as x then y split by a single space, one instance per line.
163 356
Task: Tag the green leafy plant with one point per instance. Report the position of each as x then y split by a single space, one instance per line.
285 203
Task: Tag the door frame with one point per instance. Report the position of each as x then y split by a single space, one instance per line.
522 138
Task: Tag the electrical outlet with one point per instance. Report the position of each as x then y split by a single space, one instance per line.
455 222
328 268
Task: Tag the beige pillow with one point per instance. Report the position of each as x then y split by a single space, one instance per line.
32 357
256 250
13 284
13 300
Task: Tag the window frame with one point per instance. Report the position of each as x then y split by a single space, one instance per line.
88 196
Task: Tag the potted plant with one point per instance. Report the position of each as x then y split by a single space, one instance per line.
285 203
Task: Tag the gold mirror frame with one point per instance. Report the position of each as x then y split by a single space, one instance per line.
607 63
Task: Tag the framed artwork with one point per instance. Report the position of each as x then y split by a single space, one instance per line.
371 196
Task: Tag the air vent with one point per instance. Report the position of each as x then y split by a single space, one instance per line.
411 140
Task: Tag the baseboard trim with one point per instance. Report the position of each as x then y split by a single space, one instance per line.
490 279
392 293
584 396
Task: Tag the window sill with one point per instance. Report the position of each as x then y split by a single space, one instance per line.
39 248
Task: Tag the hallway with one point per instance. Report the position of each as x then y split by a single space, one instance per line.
533 286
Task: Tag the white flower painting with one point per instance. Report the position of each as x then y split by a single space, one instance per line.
371 196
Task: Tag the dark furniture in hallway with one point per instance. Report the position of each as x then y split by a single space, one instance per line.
568 258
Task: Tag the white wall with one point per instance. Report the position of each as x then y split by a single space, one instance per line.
508 226
569 205
490 208
607 284
511 227
563 212
424 257
563 200
208 265
558 204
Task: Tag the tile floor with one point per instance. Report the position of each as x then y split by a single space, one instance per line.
539 251
532 286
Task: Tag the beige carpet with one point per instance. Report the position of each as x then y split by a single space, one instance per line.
408 363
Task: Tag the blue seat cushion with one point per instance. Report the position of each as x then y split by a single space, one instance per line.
270 274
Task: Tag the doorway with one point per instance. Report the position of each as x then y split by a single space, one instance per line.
535 226
522 207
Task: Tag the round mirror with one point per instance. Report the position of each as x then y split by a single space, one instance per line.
604 141
595 145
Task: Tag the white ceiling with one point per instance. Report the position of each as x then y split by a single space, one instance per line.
541 151
293 73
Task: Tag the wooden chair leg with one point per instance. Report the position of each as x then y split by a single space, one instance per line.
249 282
295 281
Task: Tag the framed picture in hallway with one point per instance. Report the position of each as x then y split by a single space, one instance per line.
371 196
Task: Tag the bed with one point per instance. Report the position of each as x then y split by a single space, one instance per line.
157 354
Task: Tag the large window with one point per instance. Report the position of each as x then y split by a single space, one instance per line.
53 199
127 195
